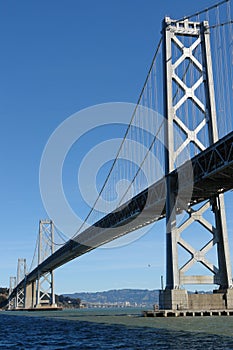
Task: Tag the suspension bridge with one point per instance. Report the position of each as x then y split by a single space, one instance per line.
183 118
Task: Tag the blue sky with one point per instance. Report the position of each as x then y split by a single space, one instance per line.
58 57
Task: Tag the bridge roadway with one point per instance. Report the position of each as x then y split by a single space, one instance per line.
207 174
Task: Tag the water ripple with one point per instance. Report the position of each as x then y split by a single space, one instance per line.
21 332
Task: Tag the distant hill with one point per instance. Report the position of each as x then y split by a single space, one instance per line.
3 296
140 297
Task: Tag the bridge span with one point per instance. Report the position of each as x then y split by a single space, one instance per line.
207 174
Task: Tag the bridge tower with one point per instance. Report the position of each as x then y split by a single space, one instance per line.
45 282
12 302
21 275
188 38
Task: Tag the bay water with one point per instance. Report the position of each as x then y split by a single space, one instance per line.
111 329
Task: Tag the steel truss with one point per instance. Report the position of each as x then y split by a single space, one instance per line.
45 280
173 31
12 302
21 275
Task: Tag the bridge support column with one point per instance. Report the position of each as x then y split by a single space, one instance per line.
45 296
229 298
12 302
173 299
21 275
30 295
191 127
225 273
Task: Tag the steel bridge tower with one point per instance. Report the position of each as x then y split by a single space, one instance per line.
19 299
45 281
39 292
12 302
21 274
187 37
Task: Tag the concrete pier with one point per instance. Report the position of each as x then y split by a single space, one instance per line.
186 313
181 300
